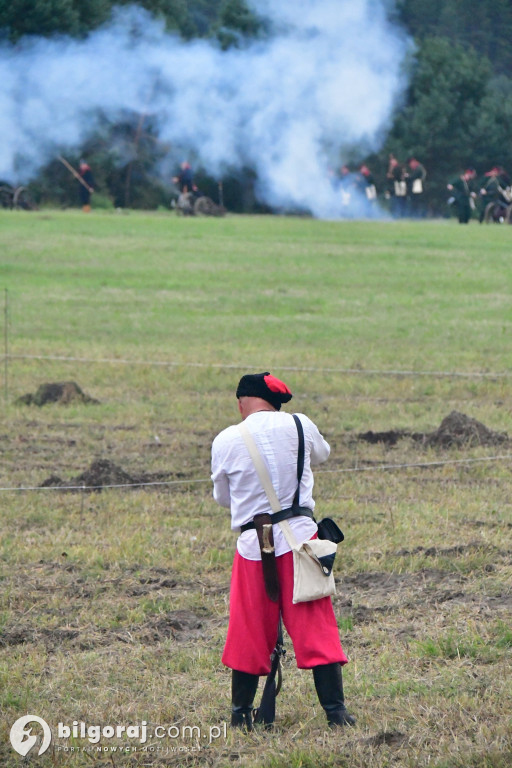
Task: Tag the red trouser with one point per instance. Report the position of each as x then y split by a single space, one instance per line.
253 621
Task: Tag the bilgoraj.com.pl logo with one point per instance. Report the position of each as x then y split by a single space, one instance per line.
32 734
22 738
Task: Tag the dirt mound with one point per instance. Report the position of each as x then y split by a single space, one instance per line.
460 430
455 430
64 392
104 472
101 473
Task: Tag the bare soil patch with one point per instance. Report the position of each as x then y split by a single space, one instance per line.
180 626
376 594
389 738
390 437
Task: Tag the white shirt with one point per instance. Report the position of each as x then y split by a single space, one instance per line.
236 484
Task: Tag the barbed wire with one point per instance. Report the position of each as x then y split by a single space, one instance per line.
193 481
415 464
83 487
242 366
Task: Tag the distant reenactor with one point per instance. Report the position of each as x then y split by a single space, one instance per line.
185 179
415 178
494 191
463 194
396 187
188 189
347 186
365 184
86 187
370 190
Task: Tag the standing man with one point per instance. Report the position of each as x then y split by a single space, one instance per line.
254 616
346 188
187 188
416 176
185 179
463 194
87 187
368 188
396 187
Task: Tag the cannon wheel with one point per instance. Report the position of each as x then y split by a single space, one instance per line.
204 206
17 198
21 200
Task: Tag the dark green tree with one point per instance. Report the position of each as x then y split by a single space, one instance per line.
192 18
236 23
444 104
48 17
485 25
490 135
42 17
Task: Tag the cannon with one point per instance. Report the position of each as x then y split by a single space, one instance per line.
15 198
498 212
191 204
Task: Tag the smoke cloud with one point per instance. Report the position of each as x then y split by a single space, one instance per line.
322 81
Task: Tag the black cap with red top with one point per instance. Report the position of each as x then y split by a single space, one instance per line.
266 386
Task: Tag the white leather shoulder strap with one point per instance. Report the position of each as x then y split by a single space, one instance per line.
261 469
266 482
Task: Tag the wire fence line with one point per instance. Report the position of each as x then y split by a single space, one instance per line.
6 357
83 487
243 366
194 481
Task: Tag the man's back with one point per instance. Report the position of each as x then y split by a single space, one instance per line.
236 483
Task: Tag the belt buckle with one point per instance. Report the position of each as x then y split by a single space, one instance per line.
267 548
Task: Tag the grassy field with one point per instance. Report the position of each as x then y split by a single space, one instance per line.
113 605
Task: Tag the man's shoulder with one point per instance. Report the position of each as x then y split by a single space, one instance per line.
226 436
305 420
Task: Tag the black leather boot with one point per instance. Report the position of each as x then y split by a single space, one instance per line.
243 691
329 687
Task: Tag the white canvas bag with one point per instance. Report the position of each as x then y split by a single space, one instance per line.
371 192
312 579
312 560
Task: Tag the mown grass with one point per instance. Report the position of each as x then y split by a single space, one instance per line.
239 290
113 605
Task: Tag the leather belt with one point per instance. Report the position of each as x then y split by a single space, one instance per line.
283 514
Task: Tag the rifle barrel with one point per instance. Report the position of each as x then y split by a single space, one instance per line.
75 173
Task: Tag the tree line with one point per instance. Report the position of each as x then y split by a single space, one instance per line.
456 114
